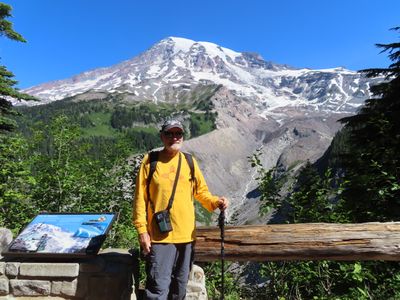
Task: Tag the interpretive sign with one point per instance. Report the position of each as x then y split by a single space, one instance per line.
62 234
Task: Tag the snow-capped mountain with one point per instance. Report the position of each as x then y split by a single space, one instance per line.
289 114
48 238
174 65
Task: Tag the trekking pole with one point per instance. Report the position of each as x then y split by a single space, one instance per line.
221 224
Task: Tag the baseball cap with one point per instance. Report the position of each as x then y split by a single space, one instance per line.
171 124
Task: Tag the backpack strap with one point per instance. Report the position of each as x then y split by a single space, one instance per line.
189 159
153 159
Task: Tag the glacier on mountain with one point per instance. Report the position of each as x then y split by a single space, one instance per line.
181 62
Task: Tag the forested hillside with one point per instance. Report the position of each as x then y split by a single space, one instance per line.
106 122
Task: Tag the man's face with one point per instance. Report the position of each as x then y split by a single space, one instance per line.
172 139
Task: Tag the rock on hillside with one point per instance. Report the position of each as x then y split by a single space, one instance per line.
224 153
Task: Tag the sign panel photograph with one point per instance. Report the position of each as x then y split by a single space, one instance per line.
62 234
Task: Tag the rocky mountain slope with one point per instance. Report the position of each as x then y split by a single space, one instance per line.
289 114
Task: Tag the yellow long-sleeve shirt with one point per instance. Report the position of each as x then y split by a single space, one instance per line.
182 211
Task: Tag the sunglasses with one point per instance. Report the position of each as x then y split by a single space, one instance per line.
170 134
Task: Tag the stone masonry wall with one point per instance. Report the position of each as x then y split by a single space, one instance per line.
107 276
112 274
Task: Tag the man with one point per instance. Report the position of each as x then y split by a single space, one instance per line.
169 255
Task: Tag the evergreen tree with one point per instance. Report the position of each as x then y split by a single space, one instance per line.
371 162
7 83
15 178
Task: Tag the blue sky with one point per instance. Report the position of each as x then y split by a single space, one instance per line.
67 37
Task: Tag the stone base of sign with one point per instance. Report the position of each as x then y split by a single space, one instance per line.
112 274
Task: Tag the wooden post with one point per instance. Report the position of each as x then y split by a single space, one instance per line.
312 241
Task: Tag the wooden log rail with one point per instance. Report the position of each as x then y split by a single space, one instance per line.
311 241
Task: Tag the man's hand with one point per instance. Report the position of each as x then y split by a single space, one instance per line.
145 242
222 203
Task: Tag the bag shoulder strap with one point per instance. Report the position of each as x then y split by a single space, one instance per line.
171 199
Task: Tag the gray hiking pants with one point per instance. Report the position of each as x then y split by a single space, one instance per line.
168 267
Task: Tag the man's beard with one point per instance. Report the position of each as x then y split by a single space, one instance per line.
175 147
